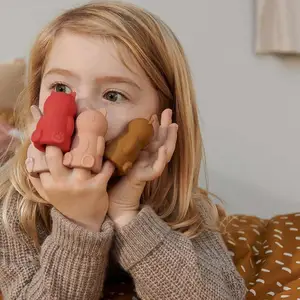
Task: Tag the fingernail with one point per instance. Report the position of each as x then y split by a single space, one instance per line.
29 164
175 126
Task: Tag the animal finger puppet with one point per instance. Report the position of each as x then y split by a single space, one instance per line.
56 125
88 144
125 149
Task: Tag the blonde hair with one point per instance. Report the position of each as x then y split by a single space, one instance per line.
175 196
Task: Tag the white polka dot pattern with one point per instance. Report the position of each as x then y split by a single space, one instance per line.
267 254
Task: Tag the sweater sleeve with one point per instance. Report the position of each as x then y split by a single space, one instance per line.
71 263
165 264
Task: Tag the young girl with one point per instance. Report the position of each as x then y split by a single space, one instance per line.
58 231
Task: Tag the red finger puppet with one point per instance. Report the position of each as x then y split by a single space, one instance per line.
56 125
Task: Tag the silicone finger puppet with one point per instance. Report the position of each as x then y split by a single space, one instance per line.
125 149
56 125
88 144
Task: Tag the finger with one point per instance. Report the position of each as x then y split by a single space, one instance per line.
29 165
105 174
81 174
36 112
170 143
54 159
37 184
160 164
155 124
36 115
100 146
166 117
166 120
35 162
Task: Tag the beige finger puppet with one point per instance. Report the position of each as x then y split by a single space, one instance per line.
125 149
88 143
36 161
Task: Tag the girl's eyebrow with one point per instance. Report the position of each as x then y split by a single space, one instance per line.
101 79
117 79
63 72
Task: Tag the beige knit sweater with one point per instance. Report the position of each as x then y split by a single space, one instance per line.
71 264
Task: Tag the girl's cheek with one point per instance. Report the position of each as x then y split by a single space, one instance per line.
116 124
113 131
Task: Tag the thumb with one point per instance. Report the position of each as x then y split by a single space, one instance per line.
36 113
105 174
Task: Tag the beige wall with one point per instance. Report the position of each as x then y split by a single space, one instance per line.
249 105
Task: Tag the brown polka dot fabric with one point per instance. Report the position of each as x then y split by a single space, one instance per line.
267 254
118 285
120 291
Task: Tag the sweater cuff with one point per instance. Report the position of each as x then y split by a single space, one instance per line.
77 239
136 240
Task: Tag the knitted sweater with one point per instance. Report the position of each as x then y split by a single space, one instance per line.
71 263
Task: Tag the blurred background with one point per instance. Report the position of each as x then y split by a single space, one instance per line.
249 105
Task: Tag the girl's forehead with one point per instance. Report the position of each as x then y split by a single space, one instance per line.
87 54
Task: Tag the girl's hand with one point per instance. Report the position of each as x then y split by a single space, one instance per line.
76 193
124 196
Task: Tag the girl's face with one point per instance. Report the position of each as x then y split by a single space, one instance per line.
92 68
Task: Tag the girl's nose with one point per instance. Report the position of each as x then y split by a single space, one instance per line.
81 106
88 103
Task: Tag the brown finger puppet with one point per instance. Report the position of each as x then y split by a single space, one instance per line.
35 162
125 149
88 143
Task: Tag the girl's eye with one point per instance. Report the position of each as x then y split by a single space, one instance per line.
62 88
114 96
